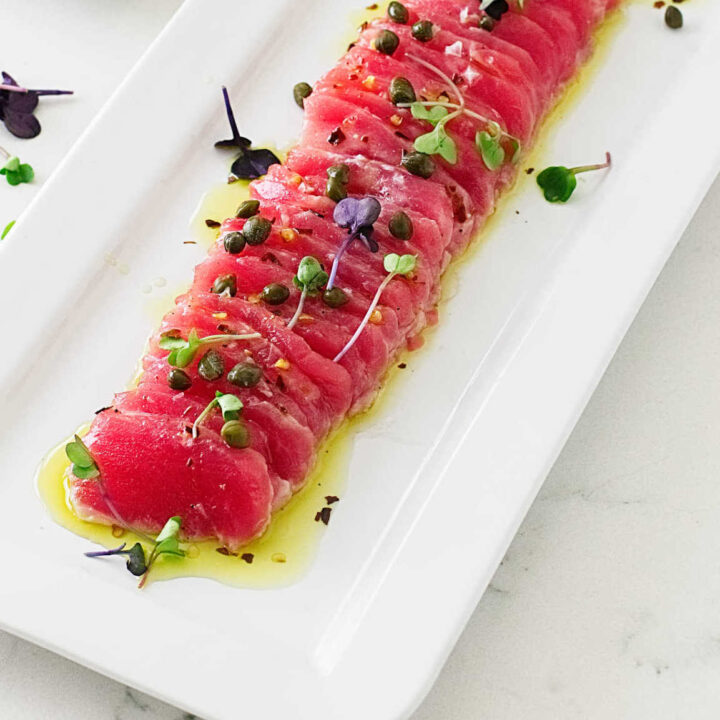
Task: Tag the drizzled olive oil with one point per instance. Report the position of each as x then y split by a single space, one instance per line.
287 548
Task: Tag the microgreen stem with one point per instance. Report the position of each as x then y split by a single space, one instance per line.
446 79
590 168
209 339
102 553
231 116
201 417
24 90
336 262
366 319
299 310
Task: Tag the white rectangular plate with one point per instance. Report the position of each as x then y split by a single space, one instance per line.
438 486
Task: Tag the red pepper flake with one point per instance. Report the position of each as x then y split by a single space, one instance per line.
304 231
225 551
212 223
458 79
323 516
270 257
530 171
103 409
659 4
374 6
364 139
330 499
188 429
248 558
189 242
336 136
402 366
402 135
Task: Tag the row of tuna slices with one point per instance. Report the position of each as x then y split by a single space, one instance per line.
151 468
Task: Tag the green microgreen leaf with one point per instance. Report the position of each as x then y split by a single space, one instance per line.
437 142
183 352
230 405
172 342
490 149
7 229
399 264
167 541
78 453
557 183
16 172
433 114
310 275
85 473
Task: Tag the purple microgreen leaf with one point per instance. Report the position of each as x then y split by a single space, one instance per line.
253 163
22 125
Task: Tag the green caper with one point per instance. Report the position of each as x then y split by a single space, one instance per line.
211 366
402 91
401 226
275 294
335 297
234 242
247 209
178 379
245 375
256 230
397 12
386 42
673 17
418 164
235 434
422 30
225 284
486 23
341 173
335 190
300 92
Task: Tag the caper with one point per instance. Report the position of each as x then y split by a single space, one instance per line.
300 92
397 12
235 434
422 30
401 226
178 379
339 172
234 242
418 164
275 294
673 17
247 209
245 375
226 284
256 230
211 366
402 91
486 23
335 297
335 190
386 42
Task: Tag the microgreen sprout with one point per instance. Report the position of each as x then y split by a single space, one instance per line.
438 142
394 265
17 106
135 557
183 352
252 162
83 464
7 229
358 216
230 405
166 543
558 182
14 171
309 279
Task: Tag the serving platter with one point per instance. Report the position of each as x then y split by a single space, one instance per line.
442 474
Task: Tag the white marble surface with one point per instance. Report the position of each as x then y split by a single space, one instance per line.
606 605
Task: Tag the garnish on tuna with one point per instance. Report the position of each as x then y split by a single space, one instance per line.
183 352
